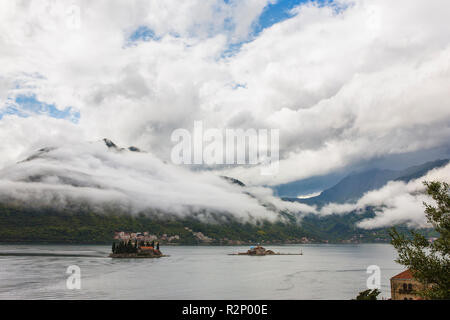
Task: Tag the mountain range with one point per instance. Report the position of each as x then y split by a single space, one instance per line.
355 185
58 181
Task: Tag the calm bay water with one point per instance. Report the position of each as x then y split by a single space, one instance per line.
322 272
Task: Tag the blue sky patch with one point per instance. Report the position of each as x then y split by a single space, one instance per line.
142 33
281 10
24 105
275 13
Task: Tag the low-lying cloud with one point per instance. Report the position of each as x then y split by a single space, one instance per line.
135 181
397 202
140 182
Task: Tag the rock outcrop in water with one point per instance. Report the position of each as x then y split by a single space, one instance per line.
257 251
261 251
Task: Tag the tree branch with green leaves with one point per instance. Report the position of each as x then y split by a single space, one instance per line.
429 261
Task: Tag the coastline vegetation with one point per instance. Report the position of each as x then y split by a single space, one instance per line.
81 224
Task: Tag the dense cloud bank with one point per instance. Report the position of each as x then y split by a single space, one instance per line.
134 181
395 203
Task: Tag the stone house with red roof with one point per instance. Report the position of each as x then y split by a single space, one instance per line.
404 286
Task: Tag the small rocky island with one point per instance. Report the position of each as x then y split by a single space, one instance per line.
261 251
136 249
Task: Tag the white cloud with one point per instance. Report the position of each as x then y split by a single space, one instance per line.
135 181
342 87
397 202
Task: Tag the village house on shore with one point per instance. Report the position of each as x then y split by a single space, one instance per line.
405 287
144 236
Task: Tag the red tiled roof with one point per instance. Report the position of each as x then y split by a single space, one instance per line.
407 274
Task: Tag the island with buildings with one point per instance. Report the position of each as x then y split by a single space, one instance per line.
135 245
261 251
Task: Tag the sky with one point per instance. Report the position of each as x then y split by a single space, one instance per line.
346 82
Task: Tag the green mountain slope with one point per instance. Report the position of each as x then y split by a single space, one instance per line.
355 185
82 225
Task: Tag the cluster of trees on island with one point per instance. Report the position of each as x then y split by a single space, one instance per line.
131 247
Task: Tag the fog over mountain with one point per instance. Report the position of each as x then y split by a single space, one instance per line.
355 185
395 203
101 173
104 174
396 196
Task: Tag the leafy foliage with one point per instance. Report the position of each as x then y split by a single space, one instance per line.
368 294
430 262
